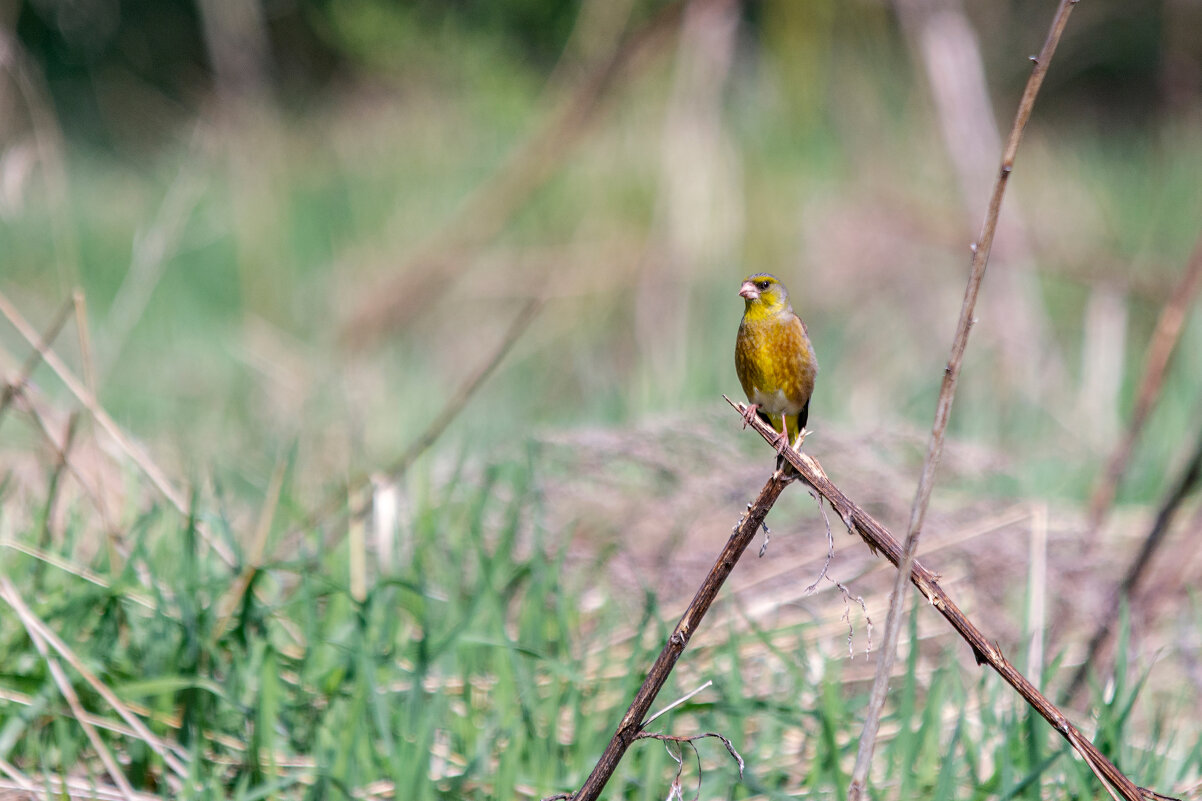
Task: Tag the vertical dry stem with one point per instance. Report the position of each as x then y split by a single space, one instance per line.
880 540
943 409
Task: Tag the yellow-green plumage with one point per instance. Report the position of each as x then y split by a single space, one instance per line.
773 356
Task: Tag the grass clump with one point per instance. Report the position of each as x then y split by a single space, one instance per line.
486 657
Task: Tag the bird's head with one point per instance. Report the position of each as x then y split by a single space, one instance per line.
764 294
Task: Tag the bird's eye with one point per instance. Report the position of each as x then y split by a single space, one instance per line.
763 285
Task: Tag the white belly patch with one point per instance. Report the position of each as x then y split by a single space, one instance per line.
774 403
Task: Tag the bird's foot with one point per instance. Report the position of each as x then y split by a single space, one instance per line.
781 442
749 412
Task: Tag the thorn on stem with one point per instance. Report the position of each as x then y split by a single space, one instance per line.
1034 60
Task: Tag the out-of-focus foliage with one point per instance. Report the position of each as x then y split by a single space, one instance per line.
106 61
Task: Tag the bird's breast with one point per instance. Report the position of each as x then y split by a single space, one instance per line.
776 363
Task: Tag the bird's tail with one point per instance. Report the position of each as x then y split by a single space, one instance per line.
795 423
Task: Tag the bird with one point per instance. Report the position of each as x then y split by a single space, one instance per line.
774 360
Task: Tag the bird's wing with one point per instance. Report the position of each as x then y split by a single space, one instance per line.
803 350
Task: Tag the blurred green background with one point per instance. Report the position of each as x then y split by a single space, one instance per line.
298 169
300 228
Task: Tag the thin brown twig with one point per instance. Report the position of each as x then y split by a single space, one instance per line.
880 540
126 444
11 388
94 495
8 591
1190 479
1165 337
337 501
631 726
68 692
173 721
691 742
131 449
55 483
232 598
951 374
693 737
56 561
468 389
830 544
598 28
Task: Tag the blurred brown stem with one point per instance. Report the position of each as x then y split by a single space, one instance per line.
943 409
131 449
338 499
48 139
1156 362
945 44
490 206
1186 485
880 540
16 385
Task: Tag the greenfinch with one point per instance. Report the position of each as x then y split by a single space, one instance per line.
774 359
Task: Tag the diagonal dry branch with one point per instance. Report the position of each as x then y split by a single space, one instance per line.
132 450
17 384
1186 485
40 632
947 393
880 540
1169 327
77 710
338 504
492 204
631 727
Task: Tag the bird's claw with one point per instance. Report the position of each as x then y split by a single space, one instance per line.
748 413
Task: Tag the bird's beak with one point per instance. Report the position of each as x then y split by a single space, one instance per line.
749 291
